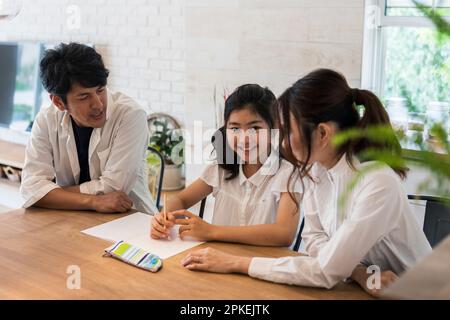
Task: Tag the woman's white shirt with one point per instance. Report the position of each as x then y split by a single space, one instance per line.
374 225
246 201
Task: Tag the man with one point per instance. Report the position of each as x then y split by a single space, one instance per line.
87 150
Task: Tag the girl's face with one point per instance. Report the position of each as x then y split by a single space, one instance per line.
248 134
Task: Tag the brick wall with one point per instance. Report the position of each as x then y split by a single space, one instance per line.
269 42
142 42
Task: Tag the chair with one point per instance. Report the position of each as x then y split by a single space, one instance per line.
202 208
161 175
299 236
437 218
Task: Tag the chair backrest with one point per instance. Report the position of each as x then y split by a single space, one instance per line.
202 208
161 175
437 218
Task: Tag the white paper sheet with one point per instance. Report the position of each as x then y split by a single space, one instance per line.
123 228
135 229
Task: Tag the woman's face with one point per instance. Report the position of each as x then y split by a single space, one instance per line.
298 148
248 134
322 149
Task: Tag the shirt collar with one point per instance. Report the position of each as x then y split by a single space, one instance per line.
110 104
269 168
342 166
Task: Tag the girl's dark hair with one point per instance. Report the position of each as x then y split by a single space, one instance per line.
324 95
248 96
71 63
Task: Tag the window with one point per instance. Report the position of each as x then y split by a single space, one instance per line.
21 92
406 64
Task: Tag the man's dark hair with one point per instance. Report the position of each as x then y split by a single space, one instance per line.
71 63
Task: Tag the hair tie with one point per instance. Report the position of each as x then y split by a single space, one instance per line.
355 94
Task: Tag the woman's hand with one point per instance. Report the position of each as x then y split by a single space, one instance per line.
192 226
387 278
160 228
361 276
213 260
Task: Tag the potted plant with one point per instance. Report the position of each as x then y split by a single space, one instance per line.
166 137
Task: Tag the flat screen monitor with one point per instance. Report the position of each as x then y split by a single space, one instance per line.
21 91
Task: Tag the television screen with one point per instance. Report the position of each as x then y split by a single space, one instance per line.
21 92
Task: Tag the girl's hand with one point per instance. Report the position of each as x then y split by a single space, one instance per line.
361 276
160 228
193 226
213 260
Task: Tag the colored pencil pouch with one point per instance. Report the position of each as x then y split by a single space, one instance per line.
134 255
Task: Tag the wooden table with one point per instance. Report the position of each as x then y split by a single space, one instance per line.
37 246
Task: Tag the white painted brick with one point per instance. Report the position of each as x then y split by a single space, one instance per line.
138 84
137 63
161 106
152 53
160 85
127 51
178 65
178 87
172 54
148 31
178 43
150 95
160 64
149 74
172 76
172 97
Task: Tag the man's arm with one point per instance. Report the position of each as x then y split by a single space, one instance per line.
68 200
38 171
38 189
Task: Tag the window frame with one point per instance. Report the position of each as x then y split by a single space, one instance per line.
374 43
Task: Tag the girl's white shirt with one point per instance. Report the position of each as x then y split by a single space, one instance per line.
246 201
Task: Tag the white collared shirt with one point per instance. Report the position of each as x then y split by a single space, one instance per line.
246 201
375 226
117 154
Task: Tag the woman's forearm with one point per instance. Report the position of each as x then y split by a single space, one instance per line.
263 234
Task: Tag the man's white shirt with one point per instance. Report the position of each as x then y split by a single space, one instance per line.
117 154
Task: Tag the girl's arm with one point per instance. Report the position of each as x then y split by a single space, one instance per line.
280 233
194 193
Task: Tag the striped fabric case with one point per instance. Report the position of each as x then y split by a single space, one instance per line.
135 256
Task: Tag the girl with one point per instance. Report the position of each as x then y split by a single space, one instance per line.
375 227
248 180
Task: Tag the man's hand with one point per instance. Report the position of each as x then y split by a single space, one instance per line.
116 201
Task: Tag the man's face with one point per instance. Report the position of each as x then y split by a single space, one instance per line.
87 106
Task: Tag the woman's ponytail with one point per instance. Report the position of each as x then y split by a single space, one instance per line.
324 95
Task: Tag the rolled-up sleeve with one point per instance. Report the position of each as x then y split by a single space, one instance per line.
38 172
373 217
125 157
